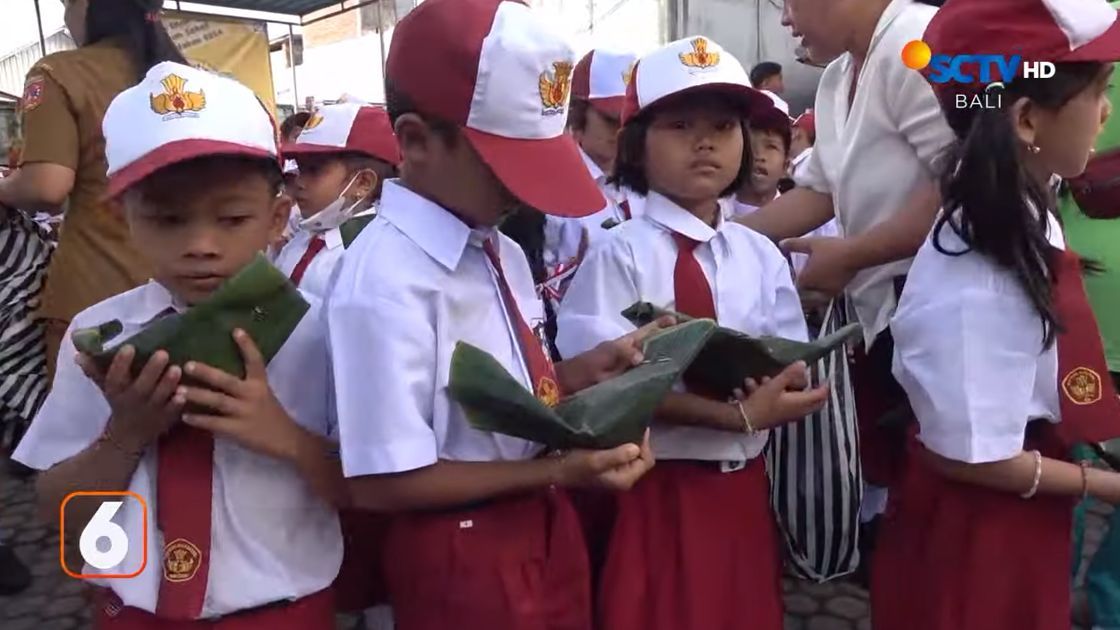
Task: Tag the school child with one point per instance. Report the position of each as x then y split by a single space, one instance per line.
343 155
694 543
802 139
229 494
995 343
483 535
770 142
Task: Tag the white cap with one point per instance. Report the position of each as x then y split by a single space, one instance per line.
601 77
348 128
686 65
178 113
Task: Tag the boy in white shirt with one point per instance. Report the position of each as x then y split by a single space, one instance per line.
770 143
227 493
483 535
344 153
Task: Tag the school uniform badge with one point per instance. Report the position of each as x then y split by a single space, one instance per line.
1082 386
548 392
181 559
554 88
313 122
176 101
628 75
33 93
700 58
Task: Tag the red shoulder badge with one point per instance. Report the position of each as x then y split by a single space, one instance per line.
33 93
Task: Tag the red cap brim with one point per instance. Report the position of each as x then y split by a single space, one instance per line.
548 175
174 153
1105 48
610 106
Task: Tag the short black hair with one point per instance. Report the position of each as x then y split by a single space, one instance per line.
298 119
577 114
764 71
630 162
785 132
397 104
267 168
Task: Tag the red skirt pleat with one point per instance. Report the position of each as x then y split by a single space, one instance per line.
511 564
694 548
360 583
955 556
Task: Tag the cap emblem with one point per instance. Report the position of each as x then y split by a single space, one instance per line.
555 87
313 122
700 57
628 75
176 101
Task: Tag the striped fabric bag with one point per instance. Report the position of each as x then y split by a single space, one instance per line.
815 481
25 250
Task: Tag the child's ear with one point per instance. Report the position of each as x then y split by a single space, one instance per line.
365 184
281 212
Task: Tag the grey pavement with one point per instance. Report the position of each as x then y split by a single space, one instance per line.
57 602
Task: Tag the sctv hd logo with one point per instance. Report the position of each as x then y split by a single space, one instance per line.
987 70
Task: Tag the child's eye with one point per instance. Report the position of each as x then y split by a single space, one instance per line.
167 220
679 124
234 221
725 125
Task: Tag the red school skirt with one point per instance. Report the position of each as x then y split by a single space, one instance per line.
314 612
955 556
516 563
694 548
360 583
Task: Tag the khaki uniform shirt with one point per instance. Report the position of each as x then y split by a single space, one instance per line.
65 99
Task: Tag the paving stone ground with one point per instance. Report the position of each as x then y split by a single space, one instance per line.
57 602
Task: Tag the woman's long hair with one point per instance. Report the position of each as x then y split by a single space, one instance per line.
136 25
991 200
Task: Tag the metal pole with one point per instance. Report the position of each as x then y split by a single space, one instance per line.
292 63
381 36
42 40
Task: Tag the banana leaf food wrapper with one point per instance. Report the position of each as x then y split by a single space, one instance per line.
259 300
729 356
1109 452
606 415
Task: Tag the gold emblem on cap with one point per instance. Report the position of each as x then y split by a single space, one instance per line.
181 559
313 122
1082 386
548 392
176 101
700 57
555 86
628 75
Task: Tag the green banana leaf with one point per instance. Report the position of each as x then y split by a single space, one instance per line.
606 415
352 228
729 356
610 224
260 300
1109 452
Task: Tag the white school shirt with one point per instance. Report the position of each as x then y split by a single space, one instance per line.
272 539
969 353
751 287
871 158
413 284
318 273
736 209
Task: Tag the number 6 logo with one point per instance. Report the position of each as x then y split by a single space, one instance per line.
101 529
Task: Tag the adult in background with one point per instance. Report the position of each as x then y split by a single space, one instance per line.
767 75
63 159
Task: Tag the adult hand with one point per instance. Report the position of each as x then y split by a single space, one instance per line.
608 359
144 407
831 266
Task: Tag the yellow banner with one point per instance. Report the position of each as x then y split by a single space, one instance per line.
235 48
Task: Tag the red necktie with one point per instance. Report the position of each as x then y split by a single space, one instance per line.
541 371
314 247
184 488
691 290
625 206
1089 405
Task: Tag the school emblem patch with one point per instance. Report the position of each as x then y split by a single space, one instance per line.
700 57
1082 386
181 559
313 122
176 101
628 75
33 93
554 88
548 392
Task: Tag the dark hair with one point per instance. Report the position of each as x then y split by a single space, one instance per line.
577 114
764 71
991 201
630 162
397 104
784 131
526 227
356 162
290 123
136 25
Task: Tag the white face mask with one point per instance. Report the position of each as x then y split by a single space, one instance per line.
335 214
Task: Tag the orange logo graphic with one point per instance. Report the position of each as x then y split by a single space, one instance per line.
103 543
1082 386
176 101
554 89
548 392
700 57
181 560
313 122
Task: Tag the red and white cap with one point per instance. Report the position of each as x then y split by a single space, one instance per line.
774 116
500 72
179 113
1037 30
347 128
807 121
600 78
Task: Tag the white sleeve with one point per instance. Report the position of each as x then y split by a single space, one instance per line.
968 361
810 174
591 312
383 354
72 417
917 113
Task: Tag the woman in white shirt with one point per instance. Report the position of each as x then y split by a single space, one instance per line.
995 343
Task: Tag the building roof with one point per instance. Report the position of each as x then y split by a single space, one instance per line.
298 8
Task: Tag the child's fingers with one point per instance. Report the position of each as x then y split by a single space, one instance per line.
117 376
219 402
166 386
146 381
605 461
214 424
214 378
254 361
90 369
